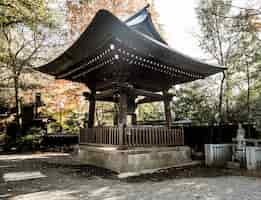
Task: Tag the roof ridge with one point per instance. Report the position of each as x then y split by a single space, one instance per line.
137 13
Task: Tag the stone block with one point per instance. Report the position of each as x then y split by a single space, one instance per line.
135 159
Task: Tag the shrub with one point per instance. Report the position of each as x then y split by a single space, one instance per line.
73 123
53 127
30 142
3 138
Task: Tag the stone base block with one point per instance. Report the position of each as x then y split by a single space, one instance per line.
134 160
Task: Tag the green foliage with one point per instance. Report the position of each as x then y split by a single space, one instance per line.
53 127
104 113
216 37
227 34
73 123
27 12
150 112
3 138
23 24
70 124
31 142
194 103
35 131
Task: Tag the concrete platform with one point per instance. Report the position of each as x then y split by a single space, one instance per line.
134 160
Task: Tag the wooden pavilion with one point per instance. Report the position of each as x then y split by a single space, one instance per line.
121 62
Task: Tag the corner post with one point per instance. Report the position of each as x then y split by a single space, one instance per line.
167 110
92 103
134 119
122 120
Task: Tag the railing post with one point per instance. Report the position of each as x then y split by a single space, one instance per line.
182 136
80 136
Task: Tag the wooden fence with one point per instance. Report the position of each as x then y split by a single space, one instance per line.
133 136
100 135
149 136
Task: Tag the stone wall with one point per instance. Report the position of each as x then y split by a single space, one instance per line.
134 160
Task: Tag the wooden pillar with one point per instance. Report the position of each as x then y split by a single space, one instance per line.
131 108
167 110
91 110
122 118
134 119
115 115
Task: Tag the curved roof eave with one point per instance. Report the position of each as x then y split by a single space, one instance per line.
142 22
184 56
105 26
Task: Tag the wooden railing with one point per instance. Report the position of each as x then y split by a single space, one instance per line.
100 135
150 136
133 136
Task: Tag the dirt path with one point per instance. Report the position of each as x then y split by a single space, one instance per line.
66 182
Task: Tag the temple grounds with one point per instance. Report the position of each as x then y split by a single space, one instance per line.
54 176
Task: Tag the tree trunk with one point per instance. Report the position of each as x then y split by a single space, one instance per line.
248 92
17 109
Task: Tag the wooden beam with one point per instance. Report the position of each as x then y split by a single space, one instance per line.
106 93
127 88
108 96
148 100
140 92
154 99
104 85
108 99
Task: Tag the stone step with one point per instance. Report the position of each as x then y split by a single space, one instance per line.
194 163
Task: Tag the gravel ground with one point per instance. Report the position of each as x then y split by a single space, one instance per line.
65 181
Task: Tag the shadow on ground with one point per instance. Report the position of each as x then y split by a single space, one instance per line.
66 180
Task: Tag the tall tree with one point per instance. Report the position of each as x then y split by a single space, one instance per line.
231 36
248 55
217 38
21 26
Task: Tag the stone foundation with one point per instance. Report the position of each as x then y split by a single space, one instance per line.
134 160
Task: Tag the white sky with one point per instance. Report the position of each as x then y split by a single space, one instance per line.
179 22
